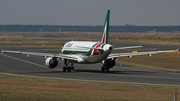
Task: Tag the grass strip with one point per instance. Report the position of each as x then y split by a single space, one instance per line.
31 89
167 62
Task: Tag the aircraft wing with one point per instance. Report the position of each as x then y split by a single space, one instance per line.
149 53
61 56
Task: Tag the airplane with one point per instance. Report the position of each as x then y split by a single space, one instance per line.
88 52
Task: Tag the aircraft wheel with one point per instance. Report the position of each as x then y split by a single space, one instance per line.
102 69
64 69
69 69
107 69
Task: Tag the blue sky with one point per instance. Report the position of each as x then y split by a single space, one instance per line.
90 12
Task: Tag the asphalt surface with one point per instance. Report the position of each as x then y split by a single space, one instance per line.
21 65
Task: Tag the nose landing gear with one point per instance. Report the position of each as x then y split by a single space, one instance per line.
67 67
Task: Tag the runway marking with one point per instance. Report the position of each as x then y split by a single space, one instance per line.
144 76
25 61
83 80
147 69
90 73
134 76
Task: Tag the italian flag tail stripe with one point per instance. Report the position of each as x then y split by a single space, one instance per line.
105 33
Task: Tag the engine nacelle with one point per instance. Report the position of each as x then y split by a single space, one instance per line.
111 63
51 62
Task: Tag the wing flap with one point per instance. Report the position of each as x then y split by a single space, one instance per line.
138 53
61 56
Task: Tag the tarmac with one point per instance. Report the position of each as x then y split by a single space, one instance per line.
34 67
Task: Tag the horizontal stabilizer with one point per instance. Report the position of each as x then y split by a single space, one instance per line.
89 47
127 47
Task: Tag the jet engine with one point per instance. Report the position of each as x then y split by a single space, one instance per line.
51 62
110 63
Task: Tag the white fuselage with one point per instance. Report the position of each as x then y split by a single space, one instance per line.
87 52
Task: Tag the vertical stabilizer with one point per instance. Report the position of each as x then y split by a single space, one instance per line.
105 34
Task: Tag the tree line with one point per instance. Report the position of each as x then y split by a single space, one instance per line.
69 28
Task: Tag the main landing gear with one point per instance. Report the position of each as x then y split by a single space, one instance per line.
66 67
105 67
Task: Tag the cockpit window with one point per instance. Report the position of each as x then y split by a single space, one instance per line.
69 45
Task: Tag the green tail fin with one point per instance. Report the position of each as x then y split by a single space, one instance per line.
105 34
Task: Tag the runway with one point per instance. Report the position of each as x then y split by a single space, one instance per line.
20 65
